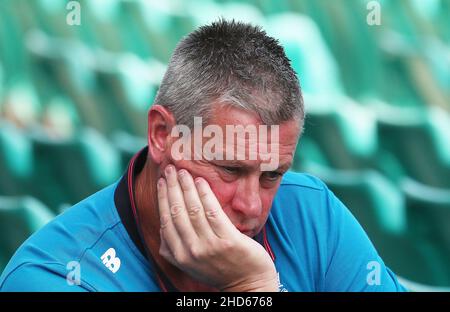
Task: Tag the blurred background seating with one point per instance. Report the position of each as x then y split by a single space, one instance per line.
74 102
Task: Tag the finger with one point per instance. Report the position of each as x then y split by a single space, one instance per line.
218 220
164 249
168 233
194 205
177 207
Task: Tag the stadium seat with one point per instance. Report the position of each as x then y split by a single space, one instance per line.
111 101
308 52
379 207
344 131
103 18
128 86
15 160
164 24
418 139
337 22
127 145
21 104
68 170
19 218
428 211
308 151
418 287
12 50
375 201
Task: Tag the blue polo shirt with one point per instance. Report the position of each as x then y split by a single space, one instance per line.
313 239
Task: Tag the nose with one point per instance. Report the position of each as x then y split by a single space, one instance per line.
247 200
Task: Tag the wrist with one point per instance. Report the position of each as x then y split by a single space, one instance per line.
264 283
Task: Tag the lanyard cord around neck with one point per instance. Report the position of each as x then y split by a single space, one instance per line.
160 276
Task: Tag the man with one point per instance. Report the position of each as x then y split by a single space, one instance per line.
194 220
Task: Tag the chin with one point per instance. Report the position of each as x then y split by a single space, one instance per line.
249 233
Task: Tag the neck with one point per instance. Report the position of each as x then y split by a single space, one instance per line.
148 213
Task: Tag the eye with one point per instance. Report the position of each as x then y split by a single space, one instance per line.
231 170
272 176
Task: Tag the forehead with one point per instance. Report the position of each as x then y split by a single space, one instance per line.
228 115
275 139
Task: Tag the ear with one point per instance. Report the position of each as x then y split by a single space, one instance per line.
160 123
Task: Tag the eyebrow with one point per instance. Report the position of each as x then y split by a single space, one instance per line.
241 164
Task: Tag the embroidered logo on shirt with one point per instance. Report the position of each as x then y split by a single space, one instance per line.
110 260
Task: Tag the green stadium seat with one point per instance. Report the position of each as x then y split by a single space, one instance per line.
103 18
113 100
15 159
21 103
65 67
310 57
337 22
418 140
50 17
135 35
1 84
19 218
442 22
428 211
164 24
46 64
375 201
273 7
128 145
60 117
344 131
379 207
12 49
308 151
68 170
418 287
208 12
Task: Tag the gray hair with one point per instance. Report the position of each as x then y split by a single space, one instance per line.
231 63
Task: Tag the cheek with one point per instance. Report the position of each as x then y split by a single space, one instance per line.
266 201
223 191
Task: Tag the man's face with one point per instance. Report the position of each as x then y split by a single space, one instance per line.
244 191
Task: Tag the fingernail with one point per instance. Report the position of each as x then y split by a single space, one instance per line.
160 183
169 169
182 172
198 180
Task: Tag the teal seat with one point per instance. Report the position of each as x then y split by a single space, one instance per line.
343 25
309 55
12 43
127 88
418 287
112 101
162 26
103 18
68 170
128 145
308 151
21 103
417 140
343 130
428 210
374 200
379 207
19 218
15 159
